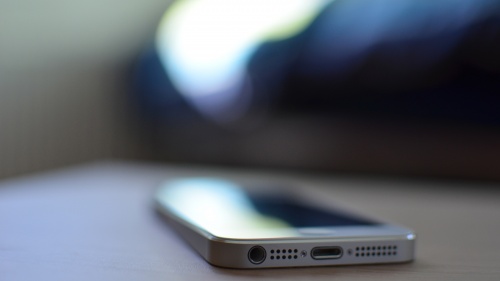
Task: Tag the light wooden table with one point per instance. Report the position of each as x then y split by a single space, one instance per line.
96 222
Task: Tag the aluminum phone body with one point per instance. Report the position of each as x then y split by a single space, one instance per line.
381 243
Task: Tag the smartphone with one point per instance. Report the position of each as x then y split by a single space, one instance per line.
236 225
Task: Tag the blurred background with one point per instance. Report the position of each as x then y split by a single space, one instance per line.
64 77
379 87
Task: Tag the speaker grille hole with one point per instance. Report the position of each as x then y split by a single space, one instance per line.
283 254
375 251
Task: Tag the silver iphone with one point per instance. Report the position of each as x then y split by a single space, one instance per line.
234 225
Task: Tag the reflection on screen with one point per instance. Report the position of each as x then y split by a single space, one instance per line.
297 214
223 209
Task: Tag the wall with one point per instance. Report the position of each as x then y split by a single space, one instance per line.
64 69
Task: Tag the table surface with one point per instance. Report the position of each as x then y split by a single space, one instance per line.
96 222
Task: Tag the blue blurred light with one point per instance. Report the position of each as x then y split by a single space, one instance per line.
205 47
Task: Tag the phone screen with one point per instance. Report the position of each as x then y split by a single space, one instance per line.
298 214
225 209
